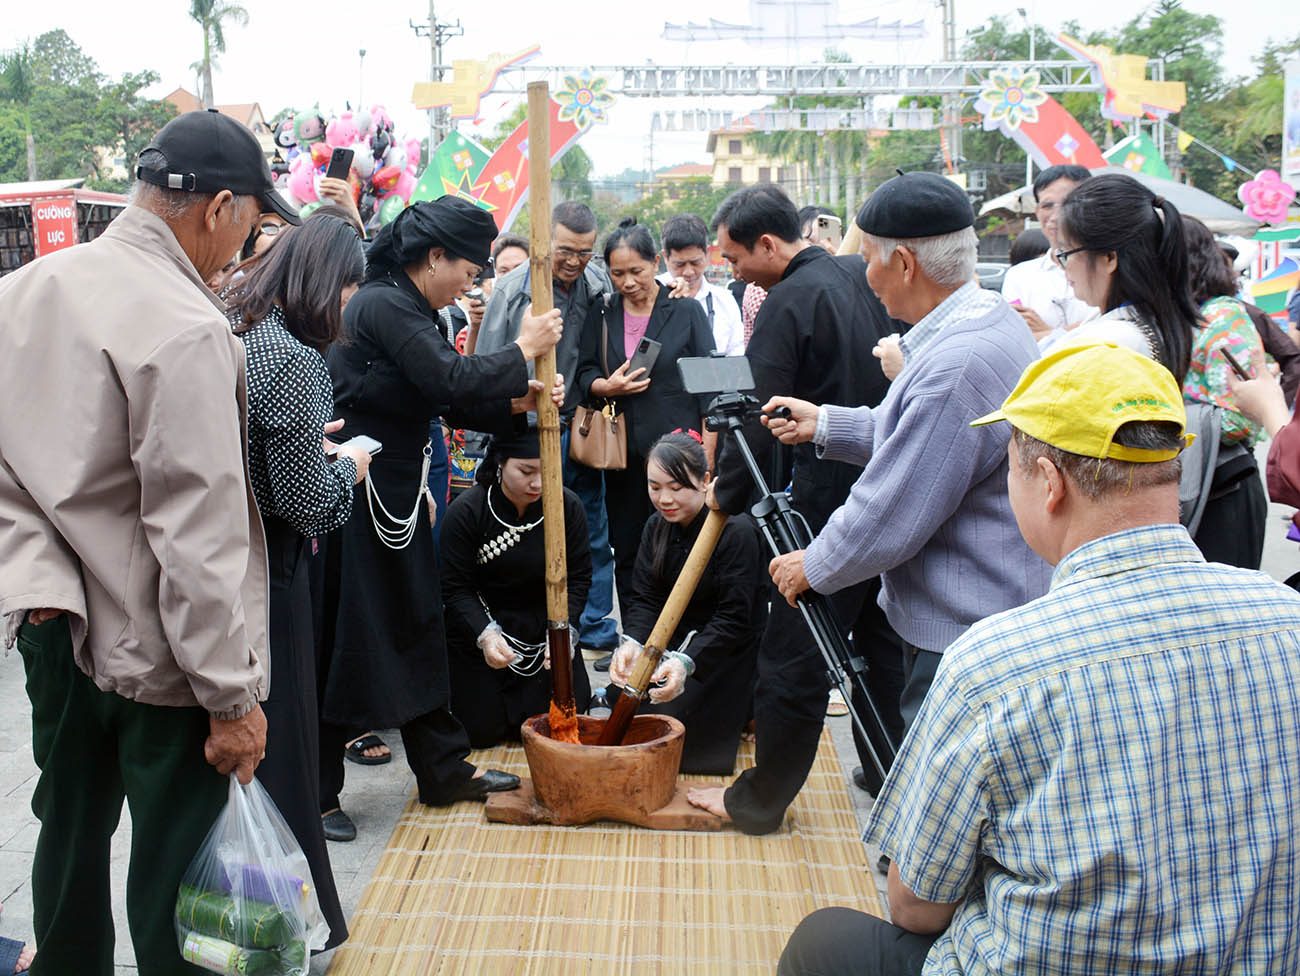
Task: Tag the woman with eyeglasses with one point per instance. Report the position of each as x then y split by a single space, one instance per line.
1123 252
651 402
288 311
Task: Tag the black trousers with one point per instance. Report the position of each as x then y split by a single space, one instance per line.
94 749
628 507
790 704
843 942
1232 527
436 746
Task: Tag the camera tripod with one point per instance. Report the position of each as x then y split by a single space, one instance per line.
785 531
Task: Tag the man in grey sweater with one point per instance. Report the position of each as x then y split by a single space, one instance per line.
929 513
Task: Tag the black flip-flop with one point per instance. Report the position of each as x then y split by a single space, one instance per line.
356 750
10 950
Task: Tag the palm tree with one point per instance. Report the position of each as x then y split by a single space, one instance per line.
211 15
18 85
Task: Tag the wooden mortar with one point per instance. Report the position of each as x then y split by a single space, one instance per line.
582 783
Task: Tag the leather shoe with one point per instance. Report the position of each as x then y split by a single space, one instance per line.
860 779
338 826
492 781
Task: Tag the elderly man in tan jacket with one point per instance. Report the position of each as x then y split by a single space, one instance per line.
133 569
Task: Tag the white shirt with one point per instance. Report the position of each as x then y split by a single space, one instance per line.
723 313
1040 284
1119 326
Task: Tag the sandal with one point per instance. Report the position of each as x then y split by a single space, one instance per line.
356 750
11 950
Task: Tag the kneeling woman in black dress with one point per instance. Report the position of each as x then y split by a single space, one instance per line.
494 590
709 681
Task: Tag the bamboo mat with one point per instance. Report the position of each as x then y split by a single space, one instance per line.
455 894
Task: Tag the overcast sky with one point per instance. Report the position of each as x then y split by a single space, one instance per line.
299 54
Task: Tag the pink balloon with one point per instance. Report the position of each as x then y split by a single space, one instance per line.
301 179
341 132
405 186
412 155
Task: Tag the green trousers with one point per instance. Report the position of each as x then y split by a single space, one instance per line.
95 748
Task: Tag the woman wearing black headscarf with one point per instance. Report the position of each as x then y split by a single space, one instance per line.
383 642
494 586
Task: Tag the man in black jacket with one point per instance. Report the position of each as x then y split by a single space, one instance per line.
812 339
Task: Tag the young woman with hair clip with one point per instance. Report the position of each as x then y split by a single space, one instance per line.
1231 529
494 592
288 311
1122 250
707 680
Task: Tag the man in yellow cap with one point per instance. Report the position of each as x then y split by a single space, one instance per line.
1102 780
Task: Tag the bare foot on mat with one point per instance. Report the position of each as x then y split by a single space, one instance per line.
709 798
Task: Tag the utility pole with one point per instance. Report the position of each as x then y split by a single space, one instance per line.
437 33
951 103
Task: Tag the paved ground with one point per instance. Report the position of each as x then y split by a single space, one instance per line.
374 795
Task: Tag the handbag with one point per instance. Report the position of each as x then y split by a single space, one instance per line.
597 436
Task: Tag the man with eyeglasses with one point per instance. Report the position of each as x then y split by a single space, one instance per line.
577 285
686 255
1037 289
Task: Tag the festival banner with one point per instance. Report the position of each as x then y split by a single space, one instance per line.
1139 154
1291 125
1013 103
453 169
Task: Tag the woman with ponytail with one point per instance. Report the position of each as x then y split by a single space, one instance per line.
1122 250
707 679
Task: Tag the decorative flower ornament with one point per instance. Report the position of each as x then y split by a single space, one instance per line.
583 99
1266 197
1010 98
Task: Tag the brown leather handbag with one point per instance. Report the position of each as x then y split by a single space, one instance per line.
597 436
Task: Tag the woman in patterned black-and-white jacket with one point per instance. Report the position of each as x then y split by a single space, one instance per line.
288 311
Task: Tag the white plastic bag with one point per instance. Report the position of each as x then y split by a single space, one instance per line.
247 905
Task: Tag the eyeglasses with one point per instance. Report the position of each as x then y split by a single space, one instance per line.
568 254
1060 257
270 228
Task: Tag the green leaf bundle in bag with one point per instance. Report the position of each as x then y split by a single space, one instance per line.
247 905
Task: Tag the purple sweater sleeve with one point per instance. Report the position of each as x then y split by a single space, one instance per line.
926 459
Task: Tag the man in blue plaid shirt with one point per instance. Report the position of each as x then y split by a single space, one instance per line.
1104 780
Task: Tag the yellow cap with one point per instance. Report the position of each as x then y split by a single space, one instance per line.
1077 398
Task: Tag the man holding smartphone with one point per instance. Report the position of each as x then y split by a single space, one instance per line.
134 580
577 286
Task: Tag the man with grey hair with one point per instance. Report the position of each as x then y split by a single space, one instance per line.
134 580
929 512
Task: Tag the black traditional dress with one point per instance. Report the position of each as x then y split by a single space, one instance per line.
494 568
299 495
727 614
383 643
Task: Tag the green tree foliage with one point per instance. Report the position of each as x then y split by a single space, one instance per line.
211 16
696 195
77 117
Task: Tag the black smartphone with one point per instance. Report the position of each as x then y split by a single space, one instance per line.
647 351
710 375
340 164
1235 366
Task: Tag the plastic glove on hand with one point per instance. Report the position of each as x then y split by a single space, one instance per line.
668 681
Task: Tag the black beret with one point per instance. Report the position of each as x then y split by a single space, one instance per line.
916 205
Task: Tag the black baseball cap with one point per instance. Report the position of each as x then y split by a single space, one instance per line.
207 152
